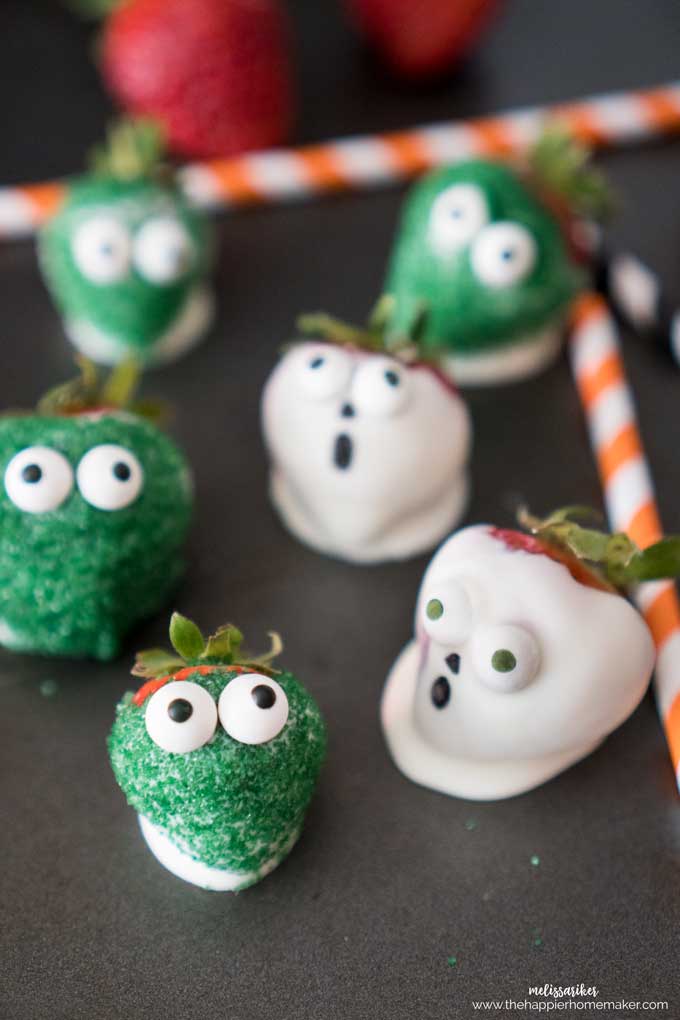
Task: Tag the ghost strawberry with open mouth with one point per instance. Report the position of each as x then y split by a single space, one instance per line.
526 655
219 753
95 505
126 259
369 445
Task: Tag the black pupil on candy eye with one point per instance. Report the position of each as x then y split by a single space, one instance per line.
121 471
180 710
507 254
392 377
456 213
106 248
31 474
263 696
441 692
316 362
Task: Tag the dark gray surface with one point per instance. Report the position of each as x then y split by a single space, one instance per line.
387 881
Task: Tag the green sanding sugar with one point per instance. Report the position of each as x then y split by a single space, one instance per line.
452 961
227 804
74 579
464 314
535 860
131 309
48 688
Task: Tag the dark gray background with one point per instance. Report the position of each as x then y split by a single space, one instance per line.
388 881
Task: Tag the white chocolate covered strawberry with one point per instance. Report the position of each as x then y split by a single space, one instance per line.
526 656
368 450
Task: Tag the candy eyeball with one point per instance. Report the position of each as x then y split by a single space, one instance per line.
253 708
447 613
381 387
506 657
457 215
101 249
110 477
162 250
323 372
181 717
38 479
503 254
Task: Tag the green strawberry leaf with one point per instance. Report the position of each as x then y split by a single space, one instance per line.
615 558
561 166
224 645
658 561
223 648
156 662
134 149
121 385
186 638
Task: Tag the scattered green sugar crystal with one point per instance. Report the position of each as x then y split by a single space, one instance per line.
535 861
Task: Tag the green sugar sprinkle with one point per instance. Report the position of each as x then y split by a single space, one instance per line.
471 825
434 609
535 860
452 961
48 688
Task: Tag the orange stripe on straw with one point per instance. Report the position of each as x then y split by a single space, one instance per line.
583 123
493 136
663 615
626 446
235 183
321 169
662 108
45 198
408 152
587 307
593 384
673 731
645 527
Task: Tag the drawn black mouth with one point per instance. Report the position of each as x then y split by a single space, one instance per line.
453 662
342 451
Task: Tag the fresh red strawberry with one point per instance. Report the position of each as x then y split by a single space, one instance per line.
421 37
215 73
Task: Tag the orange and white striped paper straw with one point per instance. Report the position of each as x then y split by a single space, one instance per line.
375 160
628 489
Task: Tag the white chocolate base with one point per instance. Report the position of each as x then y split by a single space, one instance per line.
519 360
185 333
191 870
471 779
404 539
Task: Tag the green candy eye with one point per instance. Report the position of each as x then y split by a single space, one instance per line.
434 609
503 661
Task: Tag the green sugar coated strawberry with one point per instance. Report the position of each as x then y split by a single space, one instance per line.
125 258
486 252
96 503
219 753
